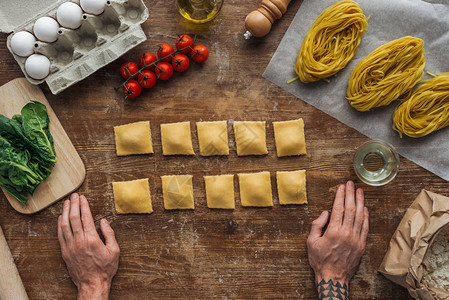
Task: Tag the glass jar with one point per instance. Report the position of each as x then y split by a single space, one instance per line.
199 11
376 162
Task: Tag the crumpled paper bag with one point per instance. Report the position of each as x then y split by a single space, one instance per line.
402 263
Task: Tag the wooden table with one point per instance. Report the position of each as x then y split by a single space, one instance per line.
206 254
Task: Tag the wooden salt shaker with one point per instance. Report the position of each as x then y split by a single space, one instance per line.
258 22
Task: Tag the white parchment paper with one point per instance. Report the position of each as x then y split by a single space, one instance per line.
389 20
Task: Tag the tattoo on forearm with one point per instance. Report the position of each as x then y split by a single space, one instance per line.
330 290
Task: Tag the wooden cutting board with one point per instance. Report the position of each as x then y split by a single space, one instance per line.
11 285
68 173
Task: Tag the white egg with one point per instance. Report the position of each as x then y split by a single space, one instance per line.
46 29
37 66
69 15
94 7
22 43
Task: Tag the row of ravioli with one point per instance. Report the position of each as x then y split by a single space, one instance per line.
250 138
255 191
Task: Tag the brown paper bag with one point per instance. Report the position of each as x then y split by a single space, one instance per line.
402 263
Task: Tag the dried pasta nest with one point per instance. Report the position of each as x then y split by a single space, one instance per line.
331 42
387 73
425 110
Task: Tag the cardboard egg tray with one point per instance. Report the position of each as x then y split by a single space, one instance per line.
78 52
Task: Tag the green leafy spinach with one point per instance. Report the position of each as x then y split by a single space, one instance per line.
27 150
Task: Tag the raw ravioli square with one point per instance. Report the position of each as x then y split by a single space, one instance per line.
220 191
176 139
292 187
255 189
134 138
289 136
132 197
213 138
177 191
250 138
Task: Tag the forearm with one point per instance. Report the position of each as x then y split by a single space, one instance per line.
332 289
97 292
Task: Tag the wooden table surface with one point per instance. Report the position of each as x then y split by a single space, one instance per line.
247 253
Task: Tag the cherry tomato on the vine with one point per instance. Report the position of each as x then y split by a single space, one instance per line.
200 53
147 79
165 50
132 89
184 41
180 62
164 70
146 59
129 69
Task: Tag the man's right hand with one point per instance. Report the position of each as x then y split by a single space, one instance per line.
335 254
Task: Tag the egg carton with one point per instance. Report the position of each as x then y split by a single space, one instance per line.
78 52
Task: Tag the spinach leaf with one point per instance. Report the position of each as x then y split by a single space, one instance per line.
26 150
35 123
9 132
15 163
30 130
14 171
12 190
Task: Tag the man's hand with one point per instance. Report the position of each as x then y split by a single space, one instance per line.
335 255
91 263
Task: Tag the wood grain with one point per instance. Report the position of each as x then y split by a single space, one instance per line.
11 286
203 254
68 173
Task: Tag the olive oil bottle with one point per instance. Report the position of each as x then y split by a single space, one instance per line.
199 11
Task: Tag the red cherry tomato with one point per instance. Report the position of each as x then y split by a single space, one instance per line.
147 79
199 53
180 62
165 50
146 59
184 41
132 89
129 69
164 71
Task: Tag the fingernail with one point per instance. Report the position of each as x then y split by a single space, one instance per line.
73 196
82 198
66 202
105 222
350 184
341 187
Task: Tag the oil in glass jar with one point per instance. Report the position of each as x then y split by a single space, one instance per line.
199 11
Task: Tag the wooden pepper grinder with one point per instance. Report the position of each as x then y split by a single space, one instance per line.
258 22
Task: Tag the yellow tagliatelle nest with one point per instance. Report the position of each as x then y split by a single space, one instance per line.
331 42
387 73
425 110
